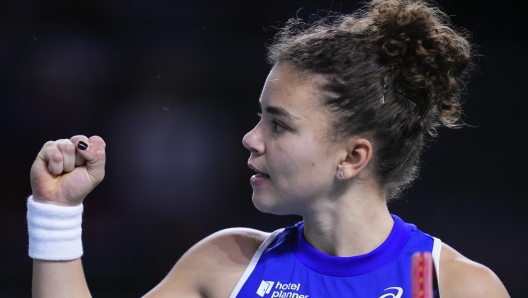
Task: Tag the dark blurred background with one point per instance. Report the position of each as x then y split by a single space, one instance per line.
172 86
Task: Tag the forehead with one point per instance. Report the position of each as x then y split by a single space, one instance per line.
296 91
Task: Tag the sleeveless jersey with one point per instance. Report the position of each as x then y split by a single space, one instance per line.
287 266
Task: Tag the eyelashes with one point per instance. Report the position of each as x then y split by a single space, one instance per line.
278 126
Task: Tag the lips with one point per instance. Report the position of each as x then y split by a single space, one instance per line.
259 178
259 172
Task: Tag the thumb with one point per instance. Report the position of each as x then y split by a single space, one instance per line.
91 152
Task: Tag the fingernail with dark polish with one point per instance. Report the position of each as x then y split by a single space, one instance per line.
82 145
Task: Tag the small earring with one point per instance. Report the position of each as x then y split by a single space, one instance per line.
341 174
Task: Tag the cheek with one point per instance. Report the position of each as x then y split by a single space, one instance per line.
284 161
307 162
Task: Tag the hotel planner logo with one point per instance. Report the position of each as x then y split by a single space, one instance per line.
280 290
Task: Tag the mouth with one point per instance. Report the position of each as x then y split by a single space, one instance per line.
259 173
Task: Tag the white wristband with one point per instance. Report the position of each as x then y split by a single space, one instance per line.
54 231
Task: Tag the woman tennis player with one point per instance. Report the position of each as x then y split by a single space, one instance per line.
345 110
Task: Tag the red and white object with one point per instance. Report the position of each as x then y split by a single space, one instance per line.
422 275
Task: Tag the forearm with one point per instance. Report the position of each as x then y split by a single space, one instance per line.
57 279
63 173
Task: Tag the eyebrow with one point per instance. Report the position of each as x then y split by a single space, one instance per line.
280 112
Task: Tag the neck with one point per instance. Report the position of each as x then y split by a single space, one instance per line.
351 225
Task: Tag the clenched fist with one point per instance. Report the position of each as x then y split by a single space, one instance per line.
65 171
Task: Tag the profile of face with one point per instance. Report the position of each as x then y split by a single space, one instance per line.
290 147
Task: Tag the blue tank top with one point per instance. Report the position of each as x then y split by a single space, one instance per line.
287 266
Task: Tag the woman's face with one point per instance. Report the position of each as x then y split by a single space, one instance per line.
290 147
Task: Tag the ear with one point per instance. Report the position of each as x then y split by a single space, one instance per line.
358 155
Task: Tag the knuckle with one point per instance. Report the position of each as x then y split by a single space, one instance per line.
69 148
97 140
48 144
100 153
56 157
76 138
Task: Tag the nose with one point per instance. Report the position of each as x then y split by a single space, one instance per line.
253 141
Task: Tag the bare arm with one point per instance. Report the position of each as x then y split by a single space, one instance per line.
59 279
461 277
212 267
63 175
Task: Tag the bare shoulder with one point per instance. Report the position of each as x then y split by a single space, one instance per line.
461 277
213 266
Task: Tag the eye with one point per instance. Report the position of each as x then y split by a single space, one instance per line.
278 127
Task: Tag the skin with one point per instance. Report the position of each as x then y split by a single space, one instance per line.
344 215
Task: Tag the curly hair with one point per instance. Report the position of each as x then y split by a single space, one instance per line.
393 73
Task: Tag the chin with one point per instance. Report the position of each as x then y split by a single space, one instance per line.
270 205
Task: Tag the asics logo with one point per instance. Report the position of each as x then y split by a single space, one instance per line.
392 295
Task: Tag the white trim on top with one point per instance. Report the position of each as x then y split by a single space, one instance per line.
253 262
437 248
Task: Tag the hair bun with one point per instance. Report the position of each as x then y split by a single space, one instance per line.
429 56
